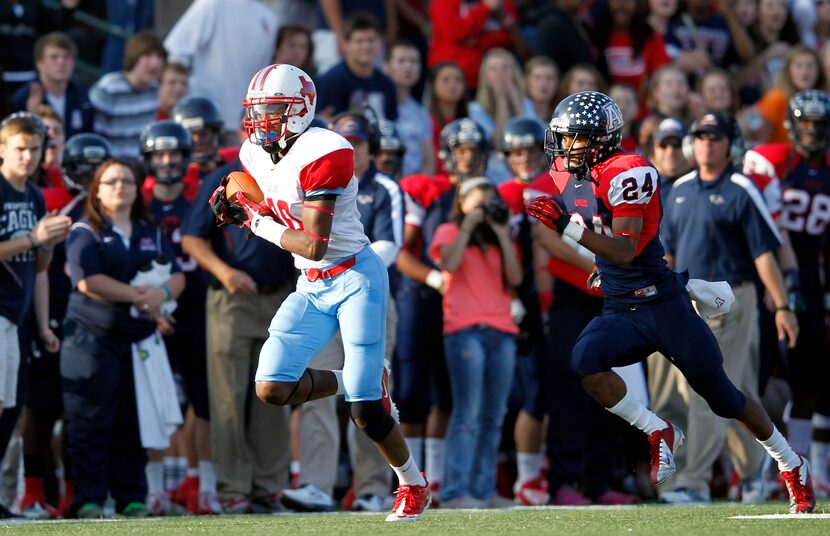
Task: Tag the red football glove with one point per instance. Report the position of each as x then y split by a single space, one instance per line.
246 212
551 212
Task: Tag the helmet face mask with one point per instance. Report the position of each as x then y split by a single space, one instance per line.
82 154
526 162
811 135
586 129
523 145
808 121
168 166
280 102
202 118
166 147
205 145
464 148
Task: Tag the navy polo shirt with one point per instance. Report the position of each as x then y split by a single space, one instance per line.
169 216
716 229
19 214
92 252
268 265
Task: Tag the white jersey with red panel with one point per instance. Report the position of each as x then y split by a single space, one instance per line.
320 162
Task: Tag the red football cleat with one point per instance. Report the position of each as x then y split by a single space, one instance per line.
800 487
410 502
185 489
533 492
663 444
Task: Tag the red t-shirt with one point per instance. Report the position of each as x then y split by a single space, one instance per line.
475 291
624 68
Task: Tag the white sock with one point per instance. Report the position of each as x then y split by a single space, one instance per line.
529 465
294 467
409 473
192 472
416 448
155 477
435 459
819 455
170 472
339 375
781 451
207 477
637 414
799 433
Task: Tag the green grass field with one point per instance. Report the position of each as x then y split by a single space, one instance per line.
712 520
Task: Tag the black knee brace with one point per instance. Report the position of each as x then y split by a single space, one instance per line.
370 417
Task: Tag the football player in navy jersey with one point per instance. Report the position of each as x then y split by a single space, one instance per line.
803 170
167 147
608 205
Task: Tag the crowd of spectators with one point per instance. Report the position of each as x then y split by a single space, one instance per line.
147 383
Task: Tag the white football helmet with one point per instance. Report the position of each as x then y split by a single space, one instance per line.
281 98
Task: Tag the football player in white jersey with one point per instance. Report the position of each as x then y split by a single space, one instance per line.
307 178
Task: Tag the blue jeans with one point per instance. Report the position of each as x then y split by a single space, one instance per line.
480 361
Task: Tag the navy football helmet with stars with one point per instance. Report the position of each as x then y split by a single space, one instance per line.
590 117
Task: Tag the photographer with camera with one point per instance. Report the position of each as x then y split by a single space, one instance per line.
480 268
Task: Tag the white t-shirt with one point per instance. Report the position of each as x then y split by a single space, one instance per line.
225 42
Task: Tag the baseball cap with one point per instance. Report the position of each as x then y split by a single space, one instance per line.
352 128
718 123
669 127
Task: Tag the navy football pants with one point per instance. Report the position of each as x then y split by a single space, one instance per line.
623 335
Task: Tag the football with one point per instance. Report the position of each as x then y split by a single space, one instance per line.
239 181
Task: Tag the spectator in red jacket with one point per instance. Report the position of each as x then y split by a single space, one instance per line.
463 30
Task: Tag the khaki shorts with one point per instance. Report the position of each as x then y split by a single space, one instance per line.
9 362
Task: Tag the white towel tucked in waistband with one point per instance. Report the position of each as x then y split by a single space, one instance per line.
155 393
710 299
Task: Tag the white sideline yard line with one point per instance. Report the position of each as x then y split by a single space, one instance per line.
785 516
